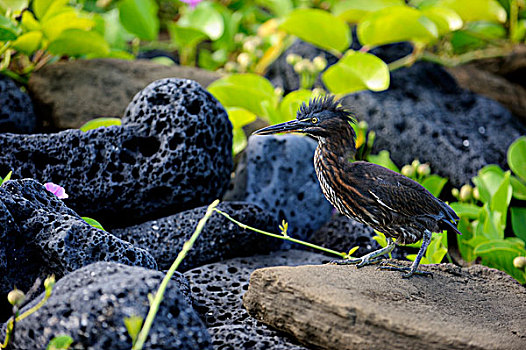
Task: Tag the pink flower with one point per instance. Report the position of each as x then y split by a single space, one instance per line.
192 3
57 190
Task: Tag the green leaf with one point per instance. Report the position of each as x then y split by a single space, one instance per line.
434 184
502 197
239 117
100 122
291 103
518 222
8 30
205 19
500 254
249 91
278 7
445 19
239 140
395 24
139 17
517 157
29 22
53 26
468 210
490 224
519 188
383 158
185 37
475 10
496 245
6 178
14 5
61 342
357 71
28 43
93 222
46 7
354 10
76 42
133 325
488 181
114 33
319 28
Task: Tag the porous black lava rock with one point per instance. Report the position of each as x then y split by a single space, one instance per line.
41 236
342 234
16 109
90 305
173 152
217 291
425 115
277 173
220 239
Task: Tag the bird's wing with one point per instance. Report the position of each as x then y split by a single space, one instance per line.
394 191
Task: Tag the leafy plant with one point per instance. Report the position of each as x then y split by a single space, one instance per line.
484 213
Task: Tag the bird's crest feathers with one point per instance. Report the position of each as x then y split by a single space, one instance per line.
326 103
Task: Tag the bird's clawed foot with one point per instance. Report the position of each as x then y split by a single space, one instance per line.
359 262
410 271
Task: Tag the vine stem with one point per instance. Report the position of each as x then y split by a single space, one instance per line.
284 237
156 302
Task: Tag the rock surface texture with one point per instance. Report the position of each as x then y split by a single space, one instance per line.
342 307
90 305
41 236
68 94
277 173
217 291
220 239
16 109
173 152
425 115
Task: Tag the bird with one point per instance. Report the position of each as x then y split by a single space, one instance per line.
383 199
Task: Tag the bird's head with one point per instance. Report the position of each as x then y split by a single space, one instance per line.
321 118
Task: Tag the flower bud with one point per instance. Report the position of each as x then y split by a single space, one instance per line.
244 59
466 192
520 262
415 163
408 170
455 192
230 67
278 91
16 297
292 58
476 193
319 63
300 67
423 169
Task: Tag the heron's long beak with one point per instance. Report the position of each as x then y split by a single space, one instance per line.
291 126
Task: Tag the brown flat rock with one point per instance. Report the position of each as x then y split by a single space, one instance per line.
342 307
68 94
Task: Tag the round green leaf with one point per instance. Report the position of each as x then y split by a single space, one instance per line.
100 122
357 71
354 10
185 37
395 24
249 91
434 184
468 210
76 42
204 18
52 26
519 188
445 19
518 222
517 157
28 42
140 18
476 10
319 28
44 7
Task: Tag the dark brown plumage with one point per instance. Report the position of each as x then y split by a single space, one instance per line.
373 195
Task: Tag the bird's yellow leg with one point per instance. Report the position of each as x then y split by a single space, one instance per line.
413 270
368 259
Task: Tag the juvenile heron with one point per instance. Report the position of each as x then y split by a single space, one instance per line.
368 193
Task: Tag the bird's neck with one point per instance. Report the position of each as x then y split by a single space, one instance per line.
339 149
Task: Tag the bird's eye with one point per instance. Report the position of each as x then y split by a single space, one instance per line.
314 120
